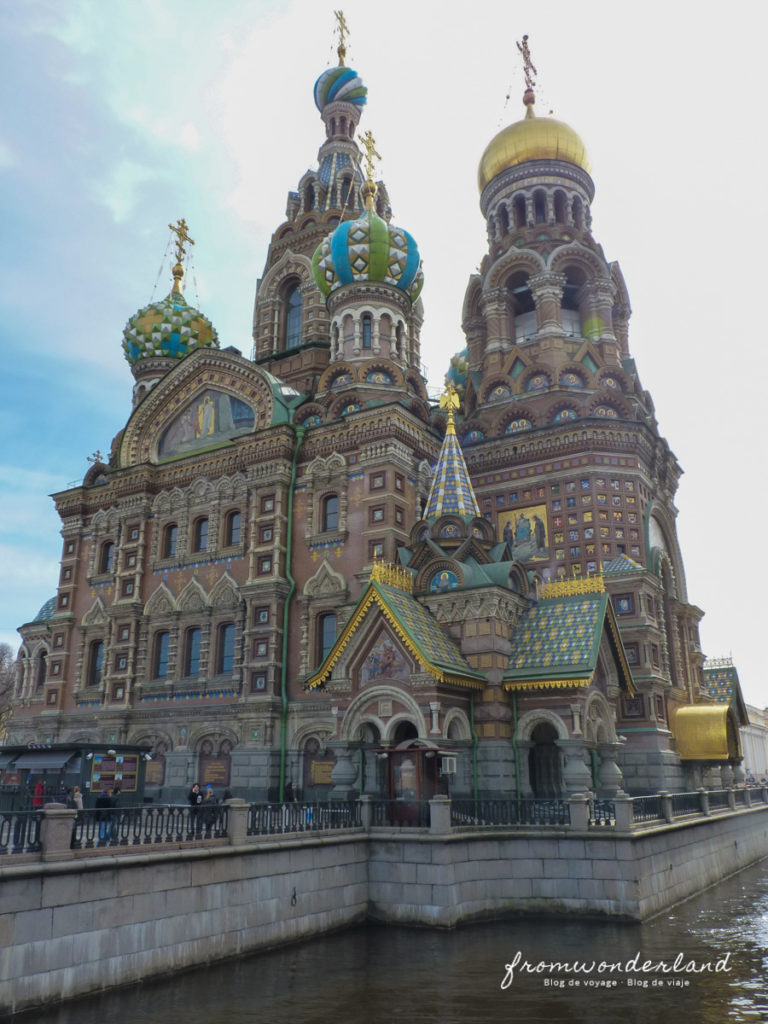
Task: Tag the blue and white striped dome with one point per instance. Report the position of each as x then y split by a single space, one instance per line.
339 84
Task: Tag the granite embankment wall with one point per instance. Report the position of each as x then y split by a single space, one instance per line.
93 921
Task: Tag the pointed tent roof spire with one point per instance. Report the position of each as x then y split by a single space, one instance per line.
451 492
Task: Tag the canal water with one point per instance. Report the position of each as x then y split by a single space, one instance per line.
714 948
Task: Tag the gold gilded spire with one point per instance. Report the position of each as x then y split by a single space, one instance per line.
369 188
182 238
343 30
530 72
449 400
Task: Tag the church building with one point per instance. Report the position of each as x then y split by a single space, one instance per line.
294 566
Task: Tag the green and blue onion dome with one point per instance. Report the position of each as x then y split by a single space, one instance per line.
168 329
368 249
457 371
339 84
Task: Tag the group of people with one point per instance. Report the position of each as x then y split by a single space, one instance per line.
204 808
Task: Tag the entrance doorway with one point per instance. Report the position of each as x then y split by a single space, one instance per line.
544 763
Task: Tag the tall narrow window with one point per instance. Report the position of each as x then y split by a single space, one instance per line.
201 535
192 652
234 524
107 563
160 661
293 310
326 635
226 658
95 662
366 324
170 541
330 513
42 668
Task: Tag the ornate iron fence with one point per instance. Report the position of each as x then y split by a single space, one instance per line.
20 832
718 798
510 812
275 819
602 813
647 808
685 803
400 813
147 826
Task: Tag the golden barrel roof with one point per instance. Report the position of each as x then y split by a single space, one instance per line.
533 138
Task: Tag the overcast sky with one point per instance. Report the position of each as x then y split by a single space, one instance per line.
120 117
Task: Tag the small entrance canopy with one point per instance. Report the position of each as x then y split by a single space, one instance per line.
707 732
44 760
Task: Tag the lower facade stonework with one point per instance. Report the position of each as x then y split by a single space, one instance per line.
81 925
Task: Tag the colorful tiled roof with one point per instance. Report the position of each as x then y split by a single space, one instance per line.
420 633
557 640
722 684
47 611
170 328
451 492
621 564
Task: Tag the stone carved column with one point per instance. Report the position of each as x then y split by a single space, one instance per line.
577 777
596 303
495 308
547 291
610 776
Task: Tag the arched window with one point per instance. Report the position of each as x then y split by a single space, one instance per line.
503 220
578 213
522 306
234 526
310 203
326 635
201 535
519 211
330 513
95 662
367 323
42 668
107 562
345 186
160 655
225 661
293 313
570 314
192 651
170 540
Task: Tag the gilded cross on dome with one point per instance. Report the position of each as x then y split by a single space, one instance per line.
449 401
343 30
529 69
369 145
182 237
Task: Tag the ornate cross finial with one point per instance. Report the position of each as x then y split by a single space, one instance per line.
96 457
343 30
449 400
369 145
182 236
529 68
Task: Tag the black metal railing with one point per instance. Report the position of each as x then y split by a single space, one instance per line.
400 813
685 803
602 813
20 832
147 826
278 819
510 812
647 808
718 798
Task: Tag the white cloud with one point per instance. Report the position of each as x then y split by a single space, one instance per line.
119 191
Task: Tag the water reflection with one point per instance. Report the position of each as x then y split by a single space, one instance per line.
381 975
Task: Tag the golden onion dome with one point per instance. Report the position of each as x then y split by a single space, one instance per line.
533 138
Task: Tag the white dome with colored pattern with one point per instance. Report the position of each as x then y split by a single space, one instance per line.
368 249
170 328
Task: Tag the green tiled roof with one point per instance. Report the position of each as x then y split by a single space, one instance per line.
557 640
417 629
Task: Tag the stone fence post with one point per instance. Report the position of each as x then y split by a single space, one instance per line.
366 811
625 816
578 807
56 832
439 815
666 805
731 799
237 821
704 801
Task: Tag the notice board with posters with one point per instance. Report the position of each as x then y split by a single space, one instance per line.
110 770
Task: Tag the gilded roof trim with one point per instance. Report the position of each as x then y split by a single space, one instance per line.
374 595
549 684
